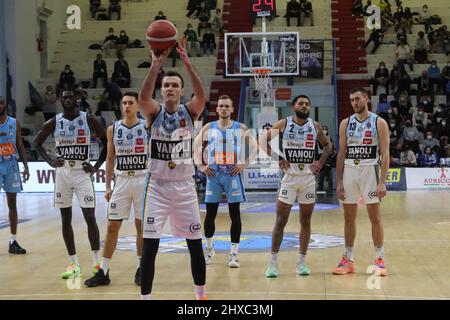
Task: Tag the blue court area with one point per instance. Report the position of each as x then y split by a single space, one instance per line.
250 242
260 207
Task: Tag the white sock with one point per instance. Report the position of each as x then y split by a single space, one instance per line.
379 252
349 253
146 296
234 248
138 262
95 257
104 265
210 242
73 259
273 257
200 292
302 258
13 238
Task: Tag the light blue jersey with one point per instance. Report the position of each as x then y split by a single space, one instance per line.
10 179
224 151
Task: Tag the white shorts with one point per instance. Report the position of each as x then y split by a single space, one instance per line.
127 190
68 181
295 187
176 200
361 181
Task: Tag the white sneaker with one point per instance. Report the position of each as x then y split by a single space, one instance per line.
209 253
233 261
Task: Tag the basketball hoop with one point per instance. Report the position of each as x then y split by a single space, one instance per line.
262 78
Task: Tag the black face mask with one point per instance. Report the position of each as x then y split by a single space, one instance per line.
302 115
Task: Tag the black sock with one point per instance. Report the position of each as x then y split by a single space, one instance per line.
236 224
211 213
149 251
198 265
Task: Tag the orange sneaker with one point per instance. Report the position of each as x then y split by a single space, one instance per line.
380 268
345 266
202 298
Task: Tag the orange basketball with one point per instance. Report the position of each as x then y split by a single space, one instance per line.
161 35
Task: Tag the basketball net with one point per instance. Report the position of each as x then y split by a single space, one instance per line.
263 83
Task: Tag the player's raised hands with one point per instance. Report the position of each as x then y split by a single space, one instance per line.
182 51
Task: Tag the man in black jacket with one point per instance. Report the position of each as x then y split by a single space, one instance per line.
100 71
293 11
381 78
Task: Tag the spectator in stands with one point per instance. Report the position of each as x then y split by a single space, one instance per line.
100 118
446 40
293 10
94 7
210 4
113 95
443 129
411 135
420 51
404 81
420 119
407 21
424 85
110 42
395 133
122 43
382 106
394 78
217 22
100 71
357 8
443 151
387 19
404 105
438 115
192 41
429 141
445 77
436 45
426 103
392 113
209 42
434 72
407 157
194 5
117 115
160 16
428 158
121 74
49 106
383 5
204 23
307 10
381 78
398 17
67 77
376 36
425 18
369 3
403 55
114 6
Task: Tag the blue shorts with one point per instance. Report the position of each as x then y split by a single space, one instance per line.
224 182
10 178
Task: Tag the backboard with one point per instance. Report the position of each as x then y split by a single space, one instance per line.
276 50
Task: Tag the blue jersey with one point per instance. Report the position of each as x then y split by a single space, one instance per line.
224 146
8 147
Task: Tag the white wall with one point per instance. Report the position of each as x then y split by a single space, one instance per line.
21 26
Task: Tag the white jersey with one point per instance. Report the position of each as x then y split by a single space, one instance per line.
171 145
72 139
299 142
131 148
362 142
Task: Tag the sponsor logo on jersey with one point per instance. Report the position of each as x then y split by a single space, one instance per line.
140 141
361 152
368 134
309 144
139 149
291 135
299 155
81 132
71 128
7 149
139 132
134 162
182 123
310 136
81 140
367 141
73 152
171 150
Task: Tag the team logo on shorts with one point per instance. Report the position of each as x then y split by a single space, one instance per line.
150 220
58 195
301 166
193 228
357 161
172 165
131 173
310 196
88 199
71 163
113 205
372 194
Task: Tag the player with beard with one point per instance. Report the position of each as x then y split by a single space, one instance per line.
11 146
299 135
363 144
225 158
72 131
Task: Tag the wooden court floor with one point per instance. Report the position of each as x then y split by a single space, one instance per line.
417 249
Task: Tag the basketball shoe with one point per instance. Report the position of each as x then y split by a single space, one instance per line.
272 270
302 269
209 253
99 279
72 270
233 261
345 266
380 268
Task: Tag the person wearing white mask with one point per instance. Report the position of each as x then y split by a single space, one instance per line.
429 141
